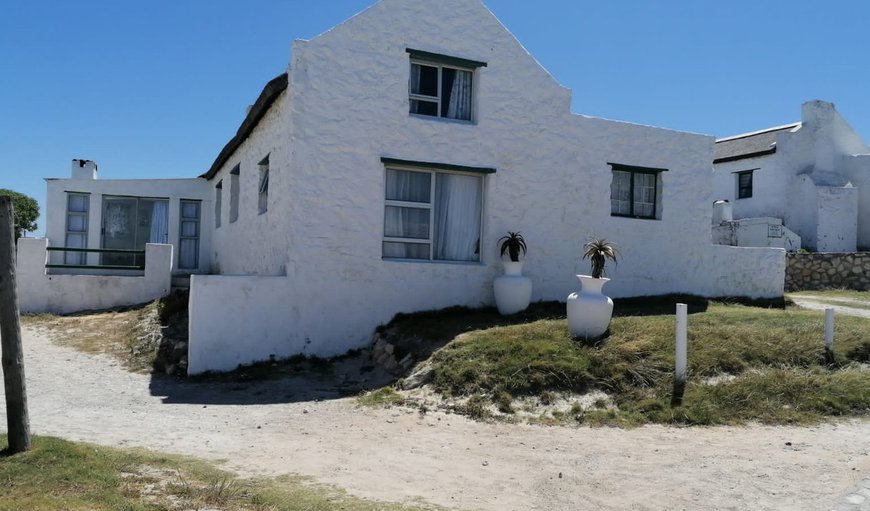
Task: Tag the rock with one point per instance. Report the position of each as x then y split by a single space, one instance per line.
421 376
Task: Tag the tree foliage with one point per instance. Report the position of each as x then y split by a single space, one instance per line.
26 211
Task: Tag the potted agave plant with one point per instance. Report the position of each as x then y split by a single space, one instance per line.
589 311
513 291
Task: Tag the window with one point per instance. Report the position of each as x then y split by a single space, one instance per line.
188 237
441 86
634 191
263 201
432 213
131 222
218 199
77 207
744 184
234 194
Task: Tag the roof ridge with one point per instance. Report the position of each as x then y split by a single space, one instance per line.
759 132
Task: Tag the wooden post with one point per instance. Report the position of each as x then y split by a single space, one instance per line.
10 337
681 355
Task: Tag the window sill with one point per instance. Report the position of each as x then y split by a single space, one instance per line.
430 261
442 119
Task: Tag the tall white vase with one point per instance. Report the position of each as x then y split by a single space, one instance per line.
589 311
513 291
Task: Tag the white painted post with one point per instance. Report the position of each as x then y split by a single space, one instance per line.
682 343
829 329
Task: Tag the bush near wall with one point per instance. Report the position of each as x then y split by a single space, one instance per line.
827 270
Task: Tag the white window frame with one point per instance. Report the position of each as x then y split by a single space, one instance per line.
431 207
78 258
437 99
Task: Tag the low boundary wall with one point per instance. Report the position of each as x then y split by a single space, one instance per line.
825 270
65 294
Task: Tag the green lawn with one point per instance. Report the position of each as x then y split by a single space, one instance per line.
61 475
745 364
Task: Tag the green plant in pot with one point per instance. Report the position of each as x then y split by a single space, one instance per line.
589 311
513 244
513 291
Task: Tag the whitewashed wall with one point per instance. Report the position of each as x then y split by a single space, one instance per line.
63 294
172 189
347 106
859 175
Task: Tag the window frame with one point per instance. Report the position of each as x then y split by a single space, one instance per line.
79 258
440 62
181 237
739 192
633 170
218 202
235 192
433 169
263 186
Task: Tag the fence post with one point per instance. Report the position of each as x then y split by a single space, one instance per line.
681 355
829 336
17 421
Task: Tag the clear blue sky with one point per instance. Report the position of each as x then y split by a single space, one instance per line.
154 89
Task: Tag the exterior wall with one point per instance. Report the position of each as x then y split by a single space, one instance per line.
837 226
172 189
858 167
827 271
64 294
257 243
348 101
756 232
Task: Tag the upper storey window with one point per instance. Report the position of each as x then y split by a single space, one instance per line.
442 86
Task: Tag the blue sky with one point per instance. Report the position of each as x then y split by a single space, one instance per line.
155 89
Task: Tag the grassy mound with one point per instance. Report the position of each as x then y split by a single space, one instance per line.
745 364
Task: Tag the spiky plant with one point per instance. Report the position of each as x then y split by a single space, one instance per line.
513 244
598 251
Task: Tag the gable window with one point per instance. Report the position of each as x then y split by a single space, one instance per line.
218 199
634 191
432 212
263 191
234 194
744 184
77 206
441 86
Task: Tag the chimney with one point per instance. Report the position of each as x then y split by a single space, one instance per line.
83 169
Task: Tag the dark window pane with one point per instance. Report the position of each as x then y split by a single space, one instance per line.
424 80
424 108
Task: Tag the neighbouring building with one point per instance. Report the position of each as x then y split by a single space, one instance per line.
377 173
811 177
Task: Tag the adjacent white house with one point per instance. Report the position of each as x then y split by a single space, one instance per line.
377 173
812 176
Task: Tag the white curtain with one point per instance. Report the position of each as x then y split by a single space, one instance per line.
187 254
620 193
159 223
459 106
644 194
457 217
407 222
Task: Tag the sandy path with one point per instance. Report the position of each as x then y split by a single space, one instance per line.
445 459
815 302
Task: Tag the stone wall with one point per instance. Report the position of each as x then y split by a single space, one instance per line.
828 270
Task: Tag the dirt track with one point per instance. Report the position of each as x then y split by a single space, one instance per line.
277 427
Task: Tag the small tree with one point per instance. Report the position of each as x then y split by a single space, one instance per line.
25 212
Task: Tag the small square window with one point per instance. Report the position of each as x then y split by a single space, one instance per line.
441 85
744 184
634 191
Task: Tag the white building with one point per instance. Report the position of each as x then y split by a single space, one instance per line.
376 175
814 175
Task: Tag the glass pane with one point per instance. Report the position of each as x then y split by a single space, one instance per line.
75 241
424 108
76 223
644 194
424 80
77 203
189 229
620 193
187 256
190 209
457 217
406 222
408 186
456 94
406 250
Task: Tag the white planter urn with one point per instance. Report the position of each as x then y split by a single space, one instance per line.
589 311
513 291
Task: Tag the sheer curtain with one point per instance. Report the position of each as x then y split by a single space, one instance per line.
407 222
159 223
457 100
457 217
